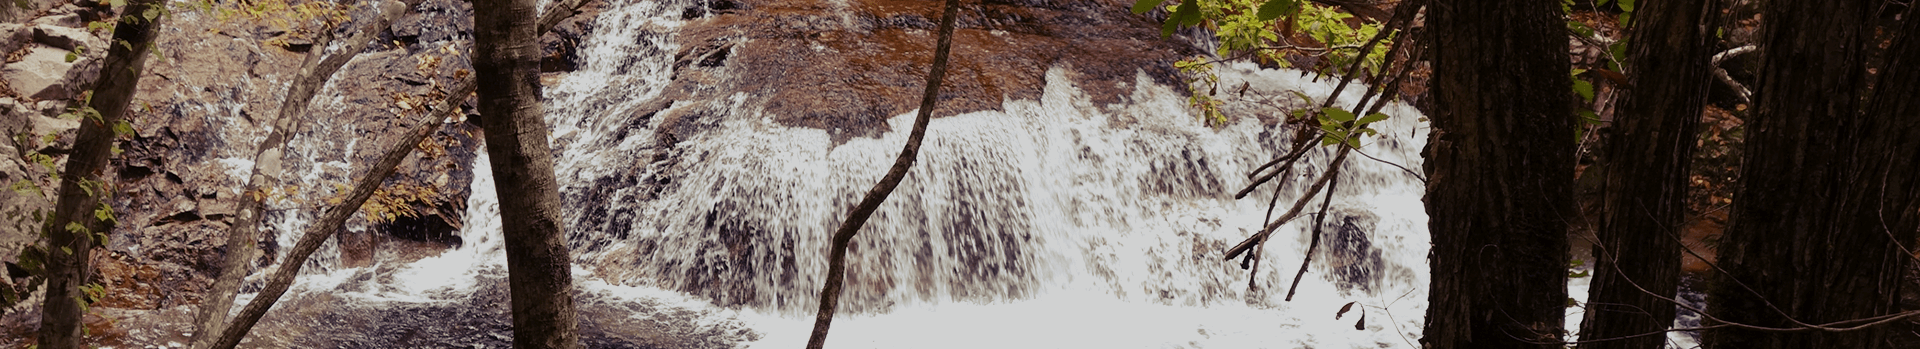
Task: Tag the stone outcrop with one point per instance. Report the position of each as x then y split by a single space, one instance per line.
846 67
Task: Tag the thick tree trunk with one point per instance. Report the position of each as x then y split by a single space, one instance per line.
243 235
1828 200
1500 169
1646 177
82 186
507 61
837 256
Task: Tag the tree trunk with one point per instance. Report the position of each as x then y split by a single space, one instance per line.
1500 169
837 257
1828 196
539 269
336 216
1646 177
82 186
243 235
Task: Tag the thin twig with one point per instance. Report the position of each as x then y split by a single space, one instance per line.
1318 222
1261 237
1291 157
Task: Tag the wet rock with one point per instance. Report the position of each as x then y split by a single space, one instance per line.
39 73
846 74
562 45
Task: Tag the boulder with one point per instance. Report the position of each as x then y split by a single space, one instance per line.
68 20
38 74
14 36
13 116
67 38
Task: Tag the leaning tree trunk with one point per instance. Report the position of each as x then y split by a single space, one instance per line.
837 256
1646 176
506 60
75 229
267 172
1828 197
1500 167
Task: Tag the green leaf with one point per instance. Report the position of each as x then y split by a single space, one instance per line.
68 250
1337 114
1587 117
1188 12
1584 88
1145 5
117 3
1626 5
1278 8
1332 128
1371 118
1303 96
76 228
1626 18
1580 28
71 56
122 128
1166 30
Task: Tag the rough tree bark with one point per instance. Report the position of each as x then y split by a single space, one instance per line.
539 268
837 256
1828 201
1499 164
1646 175
243 235
81 183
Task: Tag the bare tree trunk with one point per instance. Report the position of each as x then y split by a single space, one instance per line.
1828 202
243 235
75 229
539 268
837 257
1646 176
1500 168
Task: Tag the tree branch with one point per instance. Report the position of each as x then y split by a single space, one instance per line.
1318 221
837 258
1261 237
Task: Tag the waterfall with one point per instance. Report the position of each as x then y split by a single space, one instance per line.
1050 222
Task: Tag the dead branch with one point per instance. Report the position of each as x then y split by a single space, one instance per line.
1746 95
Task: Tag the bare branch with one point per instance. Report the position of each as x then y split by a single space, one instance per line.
1261 237
1318 221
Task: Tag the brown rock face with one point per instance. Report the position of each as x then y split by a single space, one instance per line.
847 66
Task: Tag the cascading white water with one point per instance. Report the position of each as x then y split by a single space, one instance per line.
1047 223
1050 222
